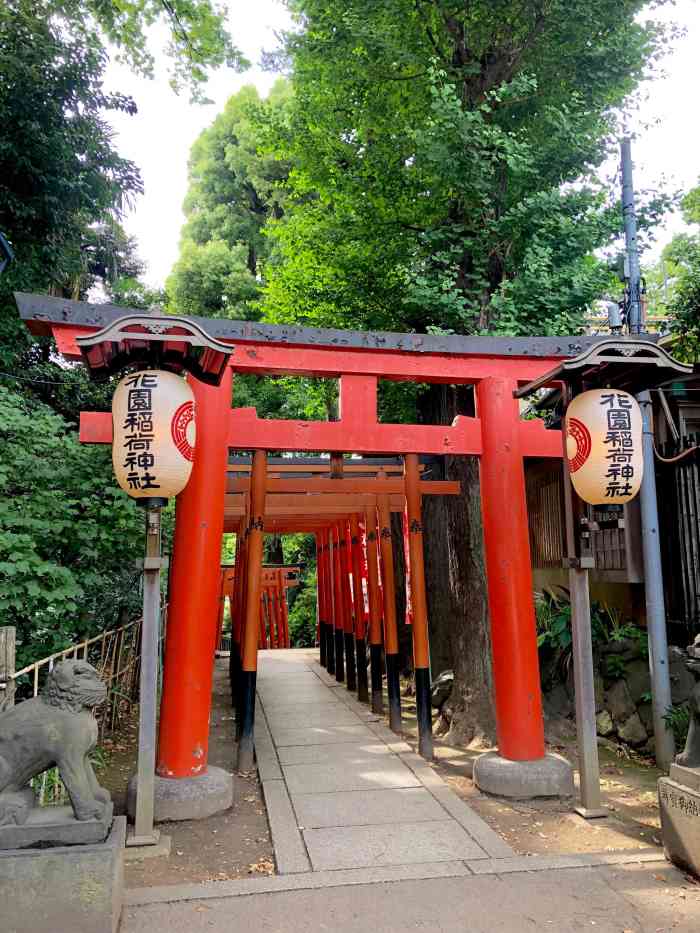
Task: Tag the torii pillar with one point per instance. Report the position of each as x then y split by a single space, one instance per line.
187 787
520 768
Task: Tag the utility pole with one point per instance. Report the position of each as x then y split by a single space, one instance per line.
651 542
629 216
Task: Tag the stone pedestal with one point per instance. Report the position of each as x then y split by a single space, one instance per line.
192 798
71 889
551 776
679 804
56 826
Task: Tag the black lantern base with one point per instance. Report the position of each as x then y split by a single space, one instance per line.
152 502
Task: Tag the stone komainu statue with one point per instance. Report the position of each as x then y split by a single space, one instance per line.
690 756
56 728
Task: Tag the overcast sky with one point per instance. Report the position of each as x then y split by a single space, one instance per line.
159 137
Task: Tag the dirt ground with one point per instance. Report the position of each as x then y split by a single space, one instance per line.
628 792
233 844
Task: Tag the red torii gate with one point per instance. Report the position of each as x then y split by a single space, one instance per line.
274 615
497 435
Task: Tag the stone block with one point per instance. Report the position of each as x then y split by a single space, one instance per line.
56 826
193 798
638 679
688 777
680 824
65 889
632 731
619 702
551 776
604 723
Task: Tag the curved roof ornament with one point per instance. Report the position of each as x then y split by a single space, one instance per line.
621 363
163 341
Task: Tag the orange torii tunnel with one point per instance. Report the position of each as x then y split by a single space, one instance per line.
254 503
274 610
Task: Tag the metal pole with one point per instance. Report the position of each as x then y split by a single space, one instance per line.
654 592
633 274
148 690
582 650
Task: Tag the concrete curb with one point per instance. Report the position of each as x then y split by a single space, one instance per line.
265 753
290 852
139 897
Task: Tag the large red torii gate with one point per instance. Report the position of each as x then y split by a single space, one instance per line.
495 366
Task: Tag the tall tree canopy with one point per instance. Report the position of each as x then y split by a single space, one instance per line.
445 156
233 190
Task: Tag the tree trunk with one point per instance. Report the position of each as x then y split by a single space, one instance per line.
456 580
273 549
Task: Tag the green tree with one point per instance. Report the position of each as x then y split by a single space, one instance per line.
444 161
444 178
673 283
233 189
61 180
68 535
198 40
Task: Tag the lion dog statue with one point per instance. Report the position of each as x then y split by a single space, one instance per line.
56 728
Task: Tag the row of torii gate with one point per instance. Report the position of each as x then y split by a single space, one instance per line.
216 500
348 510
274 608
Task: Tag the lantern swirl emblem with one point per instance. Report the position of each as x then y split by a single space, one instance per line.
182 419
604 446
582 437
153 420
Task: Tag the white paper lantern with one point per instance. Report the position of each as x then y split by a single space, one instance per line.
604 446
154 434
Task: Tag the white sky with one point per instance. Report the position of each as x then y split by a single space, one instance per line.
159 138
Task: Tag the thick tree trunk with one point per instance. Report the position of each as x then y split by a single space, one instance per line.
456 581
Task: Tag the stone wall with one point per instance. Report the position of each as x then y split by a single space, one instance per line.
623 702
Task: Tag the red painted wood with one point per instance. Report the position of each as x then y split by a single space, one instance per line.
96 427
509 575
194 593
248 430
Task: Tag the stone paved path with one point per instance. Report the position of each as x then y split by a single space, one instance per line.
342 790
368 837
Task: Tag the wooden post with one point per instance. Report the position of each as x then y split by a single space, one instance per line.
338 613
375 610
285 619
391 637
421 650
249 665
327 584
8 636
234 664
348 610
320 604
359 607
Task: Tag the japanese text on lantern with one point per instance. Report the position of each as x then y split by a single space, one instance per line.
139 437
619 444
